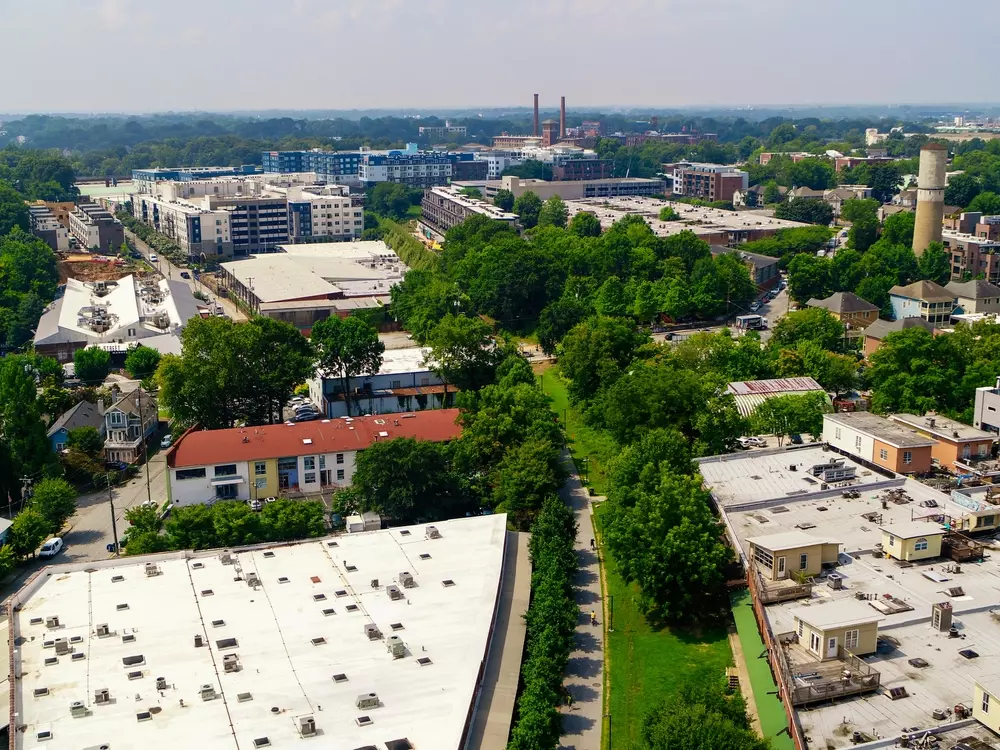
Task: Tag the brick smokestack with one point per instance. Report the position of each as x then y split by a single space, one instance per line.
534 129
562 117
930 196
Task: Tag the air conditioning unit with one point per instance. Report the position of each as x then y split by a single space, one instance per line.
103 631
835 581
207 692
406 579
941 614
52 622
367 700
102 696
394 592
62 646
431 532
152 569
395 646
307 726
77 709
231 663
372 631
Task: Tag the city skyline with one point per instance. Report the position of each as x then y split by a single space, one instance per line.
317 55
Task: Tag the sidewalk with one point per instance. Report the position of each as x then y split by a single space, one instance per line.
584 678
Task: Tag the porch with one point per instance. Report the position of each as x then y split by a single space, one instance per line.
812 681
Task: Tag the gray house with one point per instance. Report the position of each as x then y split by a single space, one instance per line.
130 421
84 414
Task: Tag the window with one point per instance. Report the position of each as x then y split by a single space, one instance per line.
803 562
190 474
310 477
287 464
322 462
986 702
309 463
259 468
851 639
920 545
892 540
857 442
883 454
814 642
225 470
983 449
340 473
986 520
340 458
836 433
226 491
907 457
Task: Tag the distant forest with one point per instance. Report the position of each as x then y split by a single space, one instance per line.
114 145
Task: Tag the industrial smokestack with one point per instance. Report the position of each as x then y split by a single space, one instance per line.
930 196
534 129
562 117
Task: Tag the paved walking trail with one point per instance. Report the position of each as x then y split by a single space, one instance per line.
585 670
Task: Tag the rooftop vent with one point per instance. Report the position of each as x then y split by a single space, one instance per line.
45 734
340 592
161 683
78 656
403 744
371 630
133 661
102 696
332 544
431 532
262 742
207 692
76 639
329 611
224 643
352 607
404 532
36 621
218 623
447 582
367 700
152 569
396 626
268 554
423 661
117 579
307 726
52 622
364 721
350 568
137 675
121 607
394 592
318 641
198 565
39 692
319 597
143 716
340 677
244 697
425 556
898 692
127 638
199 641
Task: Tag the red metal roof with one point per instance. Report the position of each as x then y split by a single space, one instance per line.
779 385
203 447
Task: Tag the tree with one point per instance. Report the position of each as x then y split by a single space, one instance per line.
27 532
24 448
553 213
528 207
585 224
347 347
284 520
669 543
595 352
13 210
406 480
471 192
667 213
55 500
527 474
961 190
814 173
87 440
392 199
141 362
611 299
92 364
811 324
772 193
913 371
557 320
504 200
884 179
718 425
640 465
809 278
700 717
143 536
788 415
898 228
462 352
808 210
935 264
987 202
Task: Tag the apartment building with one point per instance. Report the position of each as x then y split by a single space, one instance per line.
711 182
612 187
497 160
408 167
973 255
922 299
878 441
444 207
145 180
331 167
247 463
94 228
47 228
444 132
956 445
323 214
584 169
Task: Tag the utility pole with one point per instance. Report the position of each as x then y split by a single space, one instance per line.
142 437
114 526
25 486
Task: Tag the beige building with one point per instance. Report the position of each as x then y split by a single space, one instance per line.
610 187
975 297
986 702
855 313
780 556
825 629
917 540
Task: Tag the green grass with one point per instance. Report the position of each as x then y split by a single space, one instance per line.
413 212
584 442
646 665
769 708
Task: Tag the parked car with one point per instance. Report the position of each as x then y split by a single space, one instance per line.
51 548
303 407
795 439
752 442
256 505
306 416
185 275
755 306
167 441
297 400
153 258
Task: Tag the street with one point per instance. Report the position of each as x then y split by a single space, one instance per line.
170 271
772 312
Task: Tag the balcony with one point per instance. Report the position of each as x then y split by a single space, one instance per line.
771 592
811 681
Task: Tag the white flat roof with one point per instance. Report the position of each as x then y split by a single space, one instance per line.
828 616
913 529
786 540
320 589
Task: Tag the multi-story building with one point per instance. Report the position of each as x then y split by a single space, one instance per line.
795 156
497 160
331 167
922 299
145 180
323 214
876 332
248 463
47 228
986 412
849 162
584 169
516 141
956 445
442 132
404 382
973 253
879 441
763 268
976 297
444 207
408 166
712 182
94 228
576 189
129 422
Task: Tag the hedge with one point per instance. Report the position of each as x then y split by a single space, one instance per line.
551 620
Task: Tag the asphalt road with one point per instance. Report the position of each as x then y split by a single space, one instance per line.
772 311
170 271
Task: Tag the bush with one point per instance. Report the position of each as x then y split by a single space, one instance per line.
551 621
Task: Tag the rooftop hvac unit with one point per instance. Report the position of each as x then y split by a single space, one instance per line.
231 663
941 614
77 709
226 558
367 700
432 533
199 641
372 631
394 592
52 622
152 569
252 579
103 631
835 581
307 726
161 683
395 646
207 692
102 696
406 579
62 646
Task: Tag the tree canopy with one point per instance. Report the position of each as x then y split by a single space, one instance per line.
347 347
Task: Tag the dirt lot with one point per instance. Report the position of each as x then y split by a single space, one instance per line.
85 268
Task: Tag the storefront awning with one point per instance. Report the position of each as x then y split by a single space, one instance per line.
231 480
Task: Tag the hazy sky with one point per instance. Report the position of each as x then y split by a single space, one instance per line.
155 55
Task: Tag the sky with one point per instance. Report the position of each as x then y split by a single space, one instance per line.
217 55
